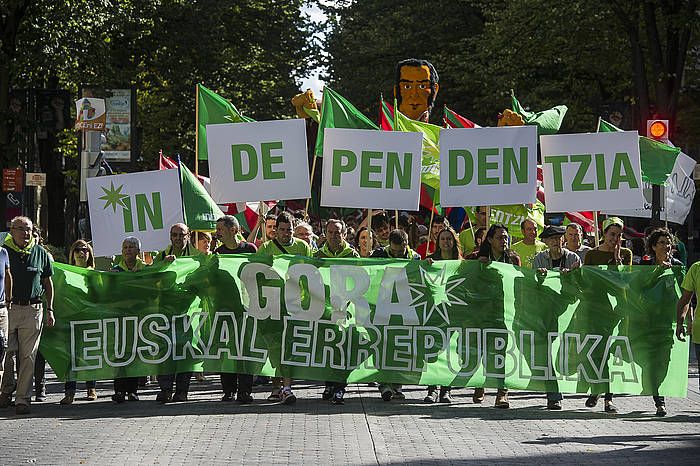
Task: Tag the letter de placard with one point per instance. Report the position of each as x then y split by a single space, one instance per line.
594 171
259 160
371 169
488 166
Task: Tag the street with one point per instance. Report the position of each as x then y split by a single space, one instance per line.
364 431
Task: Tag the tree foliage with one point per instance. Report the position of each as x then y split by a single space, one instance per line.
551 52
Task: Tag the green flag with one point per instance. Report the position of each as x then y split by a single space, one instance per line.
657 159
430 160
199 209
338 112
547 121
213 109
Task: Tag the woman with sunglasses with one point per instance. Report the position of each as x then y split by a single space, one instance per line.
81 255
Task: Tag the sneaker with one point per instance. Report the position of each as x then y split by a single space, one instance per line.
398 395
287 397
132 397
337 398
478 396
327 393
432 396
67 400
91 394
164 396
610 407
502 400
22 409
40 396
118 397
275 395
592 401
445 397
387 394
5 400
179 397
228 396
554 405
660 411
199 376
244 398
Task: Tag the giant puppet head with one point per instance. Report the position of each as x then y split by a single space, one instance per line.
415 88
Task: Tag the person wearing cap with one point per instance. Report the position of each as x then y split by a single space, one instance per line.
555 257
529 246
610 252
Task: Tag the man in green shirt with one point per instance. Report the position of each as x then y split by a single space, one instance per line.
284 243
690 286
528 248
31 271
336 246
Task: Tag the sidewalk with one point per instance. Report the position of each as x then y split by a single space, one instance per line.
365 431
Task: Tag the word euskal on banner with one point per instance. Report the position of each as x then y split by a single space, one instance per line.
362 320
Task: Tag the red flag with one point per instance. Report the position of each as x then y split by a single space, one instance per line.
452 119
386 116
165 163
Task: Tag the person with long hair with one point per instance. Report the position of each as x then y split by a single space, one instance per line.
495 248
446 248
365 241
603 317
645 327
80 254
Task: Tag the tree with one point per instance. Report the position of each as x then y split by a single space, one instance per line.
659 34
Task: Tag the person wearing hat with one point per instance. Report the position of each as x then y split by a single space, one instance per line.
610 252
555 257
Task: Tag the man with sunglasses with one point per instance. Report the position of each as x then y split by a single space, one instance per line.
31 270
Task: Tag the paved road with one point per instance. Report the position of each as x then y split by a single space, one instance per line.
366 430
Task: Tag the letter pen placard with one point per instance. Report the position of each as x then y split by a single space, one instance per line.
594 171
488 166
371 169
260 160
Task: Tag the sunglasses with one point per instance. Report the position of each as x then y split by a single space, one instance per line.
85 250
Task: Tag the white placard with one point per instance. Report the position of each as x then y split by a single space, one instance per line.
592 171
371 169
260 160
488 166
676 197
144 205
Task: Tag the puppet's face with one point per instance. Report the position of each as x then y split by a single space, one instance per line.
415 91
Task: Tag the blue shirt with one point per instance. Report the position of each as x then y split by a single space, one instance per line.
4 265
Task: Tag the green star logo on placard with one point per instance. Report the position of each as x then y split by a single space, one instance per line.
113 197
435 293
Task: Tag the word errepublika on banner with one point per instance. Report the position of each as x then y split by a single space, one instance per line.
459 323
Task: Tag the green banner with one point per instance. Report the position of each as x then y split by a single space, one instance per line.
459 323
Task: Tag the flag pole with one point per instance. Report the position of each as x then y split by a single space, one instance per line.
595 228
196 130
313 172
430 232
196 148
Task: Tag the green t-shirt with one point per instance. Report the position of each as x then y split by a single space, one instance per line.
298 248
346 251
466 241
691 282
527 252
27 272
